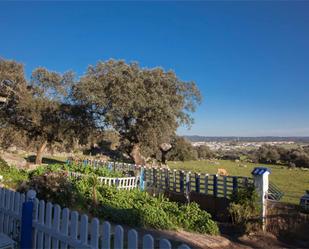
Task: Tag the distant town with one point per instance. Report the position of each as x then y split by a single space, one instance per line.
247 143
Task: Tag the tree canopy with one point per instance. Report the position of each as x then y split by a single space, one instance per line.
145 106
41 107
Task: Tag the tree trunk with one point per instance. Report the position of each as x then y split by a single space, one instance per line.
136 155
39 153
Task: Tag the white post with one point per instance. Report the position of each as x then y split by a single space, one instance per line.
261 183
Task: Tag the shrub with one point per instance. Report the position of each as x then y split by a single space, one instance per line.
99 171
194 219
51 186
12 176
3 165
244 208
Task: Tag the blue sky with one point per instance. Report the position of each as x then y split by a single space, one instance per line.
249 59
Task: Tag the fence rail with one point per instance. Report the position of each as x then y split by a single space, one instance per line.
56 227
178 180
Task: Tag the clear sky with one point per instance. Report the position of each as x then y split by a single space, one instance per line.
249 59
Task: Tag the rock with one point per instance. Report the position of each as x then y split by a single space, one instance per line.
12 149
165 146
15 160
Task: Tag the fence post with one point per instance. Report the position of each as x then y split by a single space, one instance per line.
215 186
188 182
197 182
261 183
142 179
167 179
224 186
181 181
206 184
154 177
26 221
235 184
174 180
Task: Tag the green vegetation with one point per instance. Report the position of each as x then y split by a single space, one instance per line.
244 209
142 106
293 182
12 177
87 170
134 208
41 110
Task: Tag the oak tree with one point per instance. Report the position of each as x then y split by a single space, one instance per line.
145 106
42 107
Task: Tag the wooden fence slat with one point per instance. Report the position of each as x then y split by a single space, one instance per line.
84 229
56 225
64 227
118 243
74 225
183 246
48 215
165 244
181 181
16 212
215 185
148 242
132 239
41 222
11 218
35 219
197 182
206 184
174 180
106 236
94 238
224 187
7 207
2 202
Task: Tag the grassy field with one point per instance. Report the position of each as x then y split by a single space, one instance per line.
292 182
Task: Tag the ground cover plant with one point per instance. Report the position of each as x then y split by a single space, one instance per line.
293 182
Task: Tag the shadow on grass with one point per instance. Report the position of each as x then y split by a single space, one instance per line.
31 159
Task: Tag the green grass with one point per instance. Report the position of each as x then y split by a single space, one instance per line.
293 182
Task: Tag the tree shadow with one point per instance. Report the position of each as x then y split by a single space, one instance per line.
45 160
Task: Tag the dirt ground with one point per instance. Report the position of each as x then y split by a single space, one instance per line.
261 241
227 240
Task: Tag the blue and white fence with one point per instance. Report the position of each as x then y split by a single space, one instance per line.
177 180
56 227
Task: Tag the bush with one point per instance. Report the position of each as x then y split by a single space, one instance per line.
193 218
182 150
99 171
51 186
3 165
244 208
12 176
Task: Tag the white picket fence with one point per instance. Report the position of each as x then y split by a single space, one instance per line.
10 212
127 183
54 227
